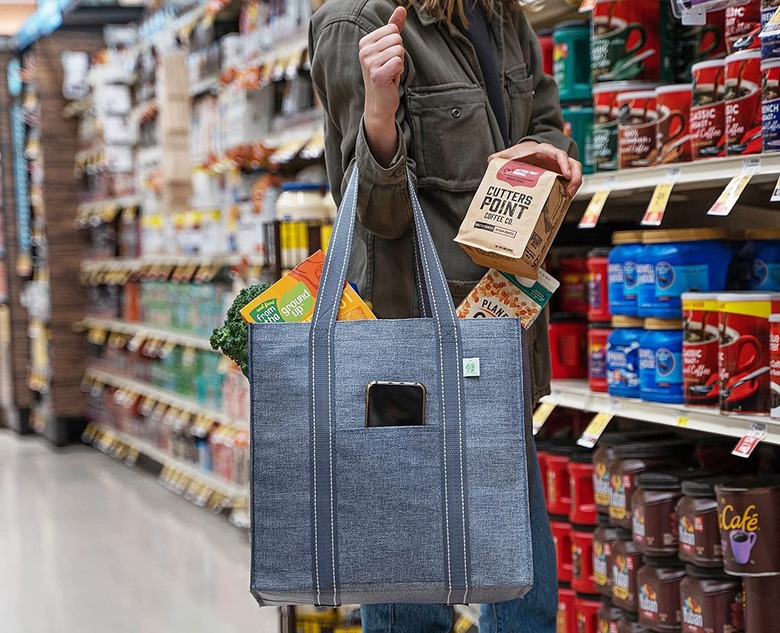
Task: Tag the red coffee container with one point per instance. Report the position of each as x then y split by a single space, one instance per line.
567 348
744 352
558 484
597 356
774 364
588 609
545 38
567 610
636 129
573 293
673 105
561 533
598 285
743 24
582 559
770 104
701 378
625 33
583 503
743 103
708 110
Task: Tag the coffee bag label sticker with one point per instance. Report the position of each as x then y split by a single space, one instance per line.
772 27
592 214
541 414
730 195
595 429
654 214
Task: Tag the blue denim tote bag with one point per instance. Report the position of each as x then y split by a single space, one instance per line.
345 514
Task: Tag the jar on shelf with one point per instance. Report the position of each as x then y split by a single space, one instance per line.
633 460
623 277
659 594
711 600
623 357
604 539
609 616
582 580
626 561
582 509
630 624
697 523
660 362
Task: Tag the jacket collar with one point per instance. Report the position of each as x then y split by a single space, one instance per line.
426 19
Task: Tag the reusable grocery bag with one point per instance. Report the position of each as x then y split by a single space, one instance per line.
345 514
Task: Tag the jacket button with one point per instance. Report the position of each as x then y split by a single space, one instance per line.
455 113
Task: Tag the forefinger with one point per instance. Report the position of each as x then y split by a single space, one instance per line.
378 34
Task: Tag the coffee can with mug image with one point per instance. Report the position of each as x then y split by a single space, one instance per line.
701 379
605 121
708 109
743 352
774 365
625 43
698 43
743 24
770 104
636 129
748 517
673 105
743 103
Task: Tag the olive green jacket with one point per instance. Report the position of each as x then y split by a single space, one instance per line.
447 130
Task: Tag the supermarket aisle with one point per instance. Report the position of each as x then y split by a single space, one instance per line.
87 545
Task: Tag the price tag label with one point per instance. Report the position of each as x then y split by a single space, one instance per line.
97 336
682 420
772 27
776 192
654 214
730 195
135 343
595 429
592 214
541 414
587 5
748 443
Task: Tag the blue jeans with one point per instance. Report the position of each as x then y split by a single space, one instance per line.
534 613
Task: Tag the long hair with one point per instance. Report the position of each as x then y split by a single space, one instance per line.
445 10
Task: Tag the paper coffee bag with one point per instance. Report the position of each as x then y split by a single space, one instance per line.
514 217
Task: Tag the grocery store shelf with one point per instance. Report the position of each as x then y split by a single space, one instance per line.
135 265
148 331
576 395
166 460
163 396
104 210
703 174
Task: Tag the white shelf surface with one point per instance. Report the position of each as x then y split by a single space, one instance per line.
149 331
164 396
576 395
703 174
155 453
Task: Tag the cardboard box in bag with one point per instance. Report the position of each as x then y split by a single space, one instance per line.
514 217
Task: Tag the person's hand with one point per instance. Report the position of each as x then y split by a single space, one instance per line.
382 61
547 157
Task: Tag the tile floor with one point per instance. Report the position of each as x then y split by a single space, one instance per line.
88 545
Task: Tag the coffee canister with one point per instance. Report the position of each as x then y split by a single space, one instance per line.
625 44
744 352
774 363
582 560
673 106
605 122
659 594
567 610
743 103
711 601
598 285
660 361
698 43
545 37
770 46
598 336
636 129
623 275
743 24
701 378
762 595
770 104
578 124
697 519
748 517
571 49
561 534
708 109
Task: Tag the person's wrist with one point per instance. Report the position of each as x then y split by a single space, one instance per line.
375 119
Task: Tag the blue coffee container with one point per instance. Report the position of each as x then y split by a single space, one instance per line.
623 357
677 261
660 361
622 272
763 253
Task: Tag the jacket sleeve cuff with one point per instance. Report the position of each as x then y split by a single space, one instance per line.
371 170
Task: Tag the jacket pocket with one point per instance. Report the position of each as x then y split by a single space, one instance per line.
520 92
452 135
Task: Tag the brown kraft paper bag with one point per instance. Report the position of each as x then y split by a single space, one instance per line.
514 217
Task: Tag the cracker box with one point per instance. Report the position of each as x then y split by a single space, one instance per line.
291 299
504 295
514 217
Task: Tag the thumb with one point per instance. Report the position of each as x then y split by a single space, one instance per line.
398 18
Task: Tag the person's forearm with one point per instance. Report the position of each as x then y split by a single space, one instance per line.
382 138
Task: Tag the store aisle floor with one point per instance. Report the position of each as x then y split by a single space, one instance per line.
88 545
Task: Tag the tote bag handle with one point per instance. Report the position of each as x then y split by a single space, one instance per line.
435 300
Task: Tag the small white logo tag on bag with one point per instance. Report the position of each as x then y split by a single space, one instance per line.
471 367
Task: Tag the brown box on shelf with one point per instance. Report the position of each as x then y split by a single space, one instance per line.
176 196
176 164
172 76
174 118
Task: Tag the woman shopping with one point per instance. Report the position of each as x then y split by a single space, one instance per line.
437 87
